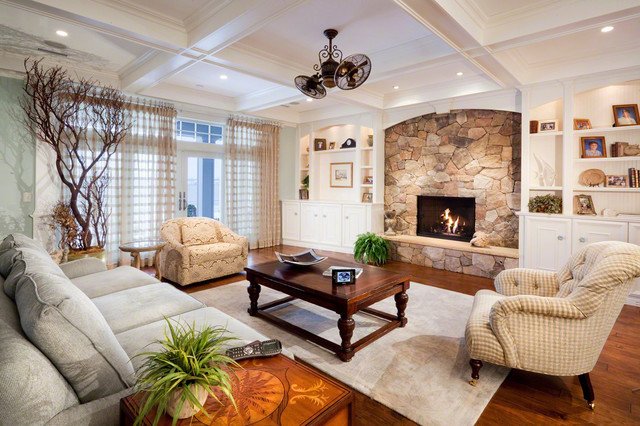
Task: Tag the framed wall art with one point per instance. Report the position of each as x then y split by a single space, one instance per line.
341 175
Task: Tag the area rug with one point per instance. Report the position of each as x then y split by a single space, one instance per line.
420 371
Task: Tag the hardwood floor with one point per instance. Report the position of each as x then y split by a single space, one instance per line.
523 398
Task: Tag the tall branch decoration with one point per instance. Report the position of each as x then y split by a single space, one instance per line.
84 124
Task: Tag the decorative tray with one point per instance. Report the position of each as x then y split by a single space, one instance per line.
305 258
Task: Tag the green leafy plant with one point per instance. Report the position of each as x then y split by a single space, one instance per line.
189 359
305 182
545 204
371 248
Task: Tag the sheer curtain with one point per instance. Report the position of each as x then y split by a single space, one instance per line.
251 193
142 178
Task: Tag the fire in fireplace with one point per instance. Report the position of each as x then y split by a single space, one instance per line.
451 218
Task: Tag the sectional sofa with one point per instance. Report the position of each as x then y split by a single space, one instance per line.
69 334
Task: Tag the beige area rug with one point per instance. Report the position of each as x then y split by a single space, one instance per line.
421 371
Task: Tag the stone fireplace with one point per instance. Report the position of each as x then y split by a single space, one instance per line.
451 218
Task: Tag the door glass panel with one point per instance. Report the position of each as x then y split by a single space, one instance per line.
204 179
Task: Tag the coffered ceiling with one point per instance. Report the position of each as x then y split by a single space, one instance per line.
242 55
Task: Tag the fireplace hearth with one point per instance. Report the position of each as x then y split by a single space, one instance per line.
451 218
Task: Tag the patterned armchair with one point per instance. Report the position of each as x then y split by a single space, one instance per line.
199 248
553 323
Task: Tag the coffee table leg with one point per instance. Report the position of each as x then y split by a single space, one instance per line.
254 293
401 303
346 325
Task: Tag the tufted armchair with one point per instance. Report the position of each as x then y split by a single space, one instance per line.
199 248
553 323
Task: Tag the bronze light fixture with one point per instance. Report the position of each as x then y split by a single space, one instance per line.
332 70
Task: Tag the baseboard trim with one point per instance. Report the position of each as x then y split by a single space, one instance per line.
633 299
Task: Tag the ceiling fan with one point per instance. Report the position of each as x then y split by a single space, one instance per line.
332 70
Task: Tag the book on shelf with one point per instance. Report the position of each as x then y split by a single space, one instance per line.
618 149
634 177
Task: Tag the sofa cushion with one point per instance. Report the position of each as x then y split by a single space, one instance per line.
138 306
113 280
25 261
141 339
33 391
20 240
204 231
68 328
212 252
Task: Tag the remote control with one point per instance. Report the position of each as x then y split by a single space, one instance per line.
255 349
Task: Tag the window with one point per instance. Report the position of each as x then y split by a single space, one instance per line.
196 131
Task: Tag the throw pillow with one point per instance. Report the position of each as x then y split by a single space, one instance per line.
196 232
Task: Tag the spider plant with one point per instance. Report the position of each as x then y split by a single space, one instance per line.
371 248
189 360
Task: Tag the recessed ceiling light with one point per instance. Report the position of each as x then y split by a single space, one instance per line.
459 73
223 77
62 33
396 87
309 100
606 29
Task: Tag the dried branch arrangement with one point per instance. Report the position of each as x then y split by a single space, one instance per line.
83 124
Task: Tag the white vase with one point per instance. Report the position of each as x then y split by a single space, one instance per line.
188 409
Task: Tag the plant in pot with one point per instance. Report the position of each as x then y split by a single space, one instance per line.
545 204
371 248
83 124
178 379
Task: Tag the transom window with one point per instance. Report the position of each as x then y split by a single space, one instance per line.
197 131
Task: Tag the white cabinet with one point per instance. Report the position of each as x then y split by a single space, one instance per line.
310 222
354 223
330 224
290 221
547 242
593 231
634 233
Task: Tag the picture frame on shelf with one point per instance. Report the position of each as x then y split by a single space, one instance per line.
367 197
583 205
319 144
593 147
303 193
581 124
332 145
548 126
368 180
625 115
341 175
533 126
616 181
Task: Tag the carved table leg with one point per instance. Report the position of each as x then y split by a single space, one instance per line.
254 293
587 390
156 263
401 303
136 262
476 365
346 325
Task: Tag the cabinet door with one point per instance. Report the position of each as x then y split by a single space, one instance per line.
310 226
354 223
290 221
634 233
331 224
592 231
547 243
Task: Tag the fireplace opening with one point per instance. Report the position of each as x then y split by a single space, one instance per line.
451 218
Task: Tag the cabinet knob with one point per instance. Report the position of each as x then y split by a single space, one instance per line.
582 239
560 238
346 217
295 214
315 215
324 215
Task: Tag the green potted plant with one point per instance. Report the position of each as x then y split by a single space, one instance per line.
371 248
546 204
178 378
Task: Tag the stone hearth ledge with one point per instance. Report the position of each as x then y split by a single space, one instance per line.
455 256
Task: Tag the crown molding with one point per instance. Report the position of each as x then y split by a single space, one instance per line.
131 7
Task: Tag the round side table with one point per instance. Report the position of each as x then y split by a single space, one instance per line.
137 247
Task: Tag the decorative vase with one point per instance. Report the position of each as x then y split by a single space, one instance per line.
95 252
188 409
370 140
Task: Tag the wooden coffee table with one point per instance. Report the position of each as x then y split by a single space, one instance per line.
268 391
308 284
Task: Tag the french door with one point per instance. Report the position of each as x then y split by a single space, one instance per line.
200 181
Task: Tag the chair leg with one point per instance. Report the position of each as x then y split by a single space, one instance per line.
587 390
476 365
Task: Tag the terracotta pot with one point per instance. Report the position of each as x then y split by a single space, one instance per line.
95 252
188 409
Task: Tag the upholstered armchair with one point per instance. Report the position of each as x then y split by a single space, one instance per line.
199 248
553 323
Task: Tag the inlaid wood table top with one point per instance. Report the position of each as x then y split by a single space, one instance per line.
267 391
142 246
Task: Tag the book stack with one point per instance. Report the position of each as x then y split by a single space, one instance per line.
617 149
634 178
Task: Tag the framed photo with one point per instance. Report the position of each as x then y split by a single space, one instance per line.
593 147
332 145
319 144
343 276
548 126
367 197
368 180
304 194
583 204
616 181
533 126
581 123
625 115
341 175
